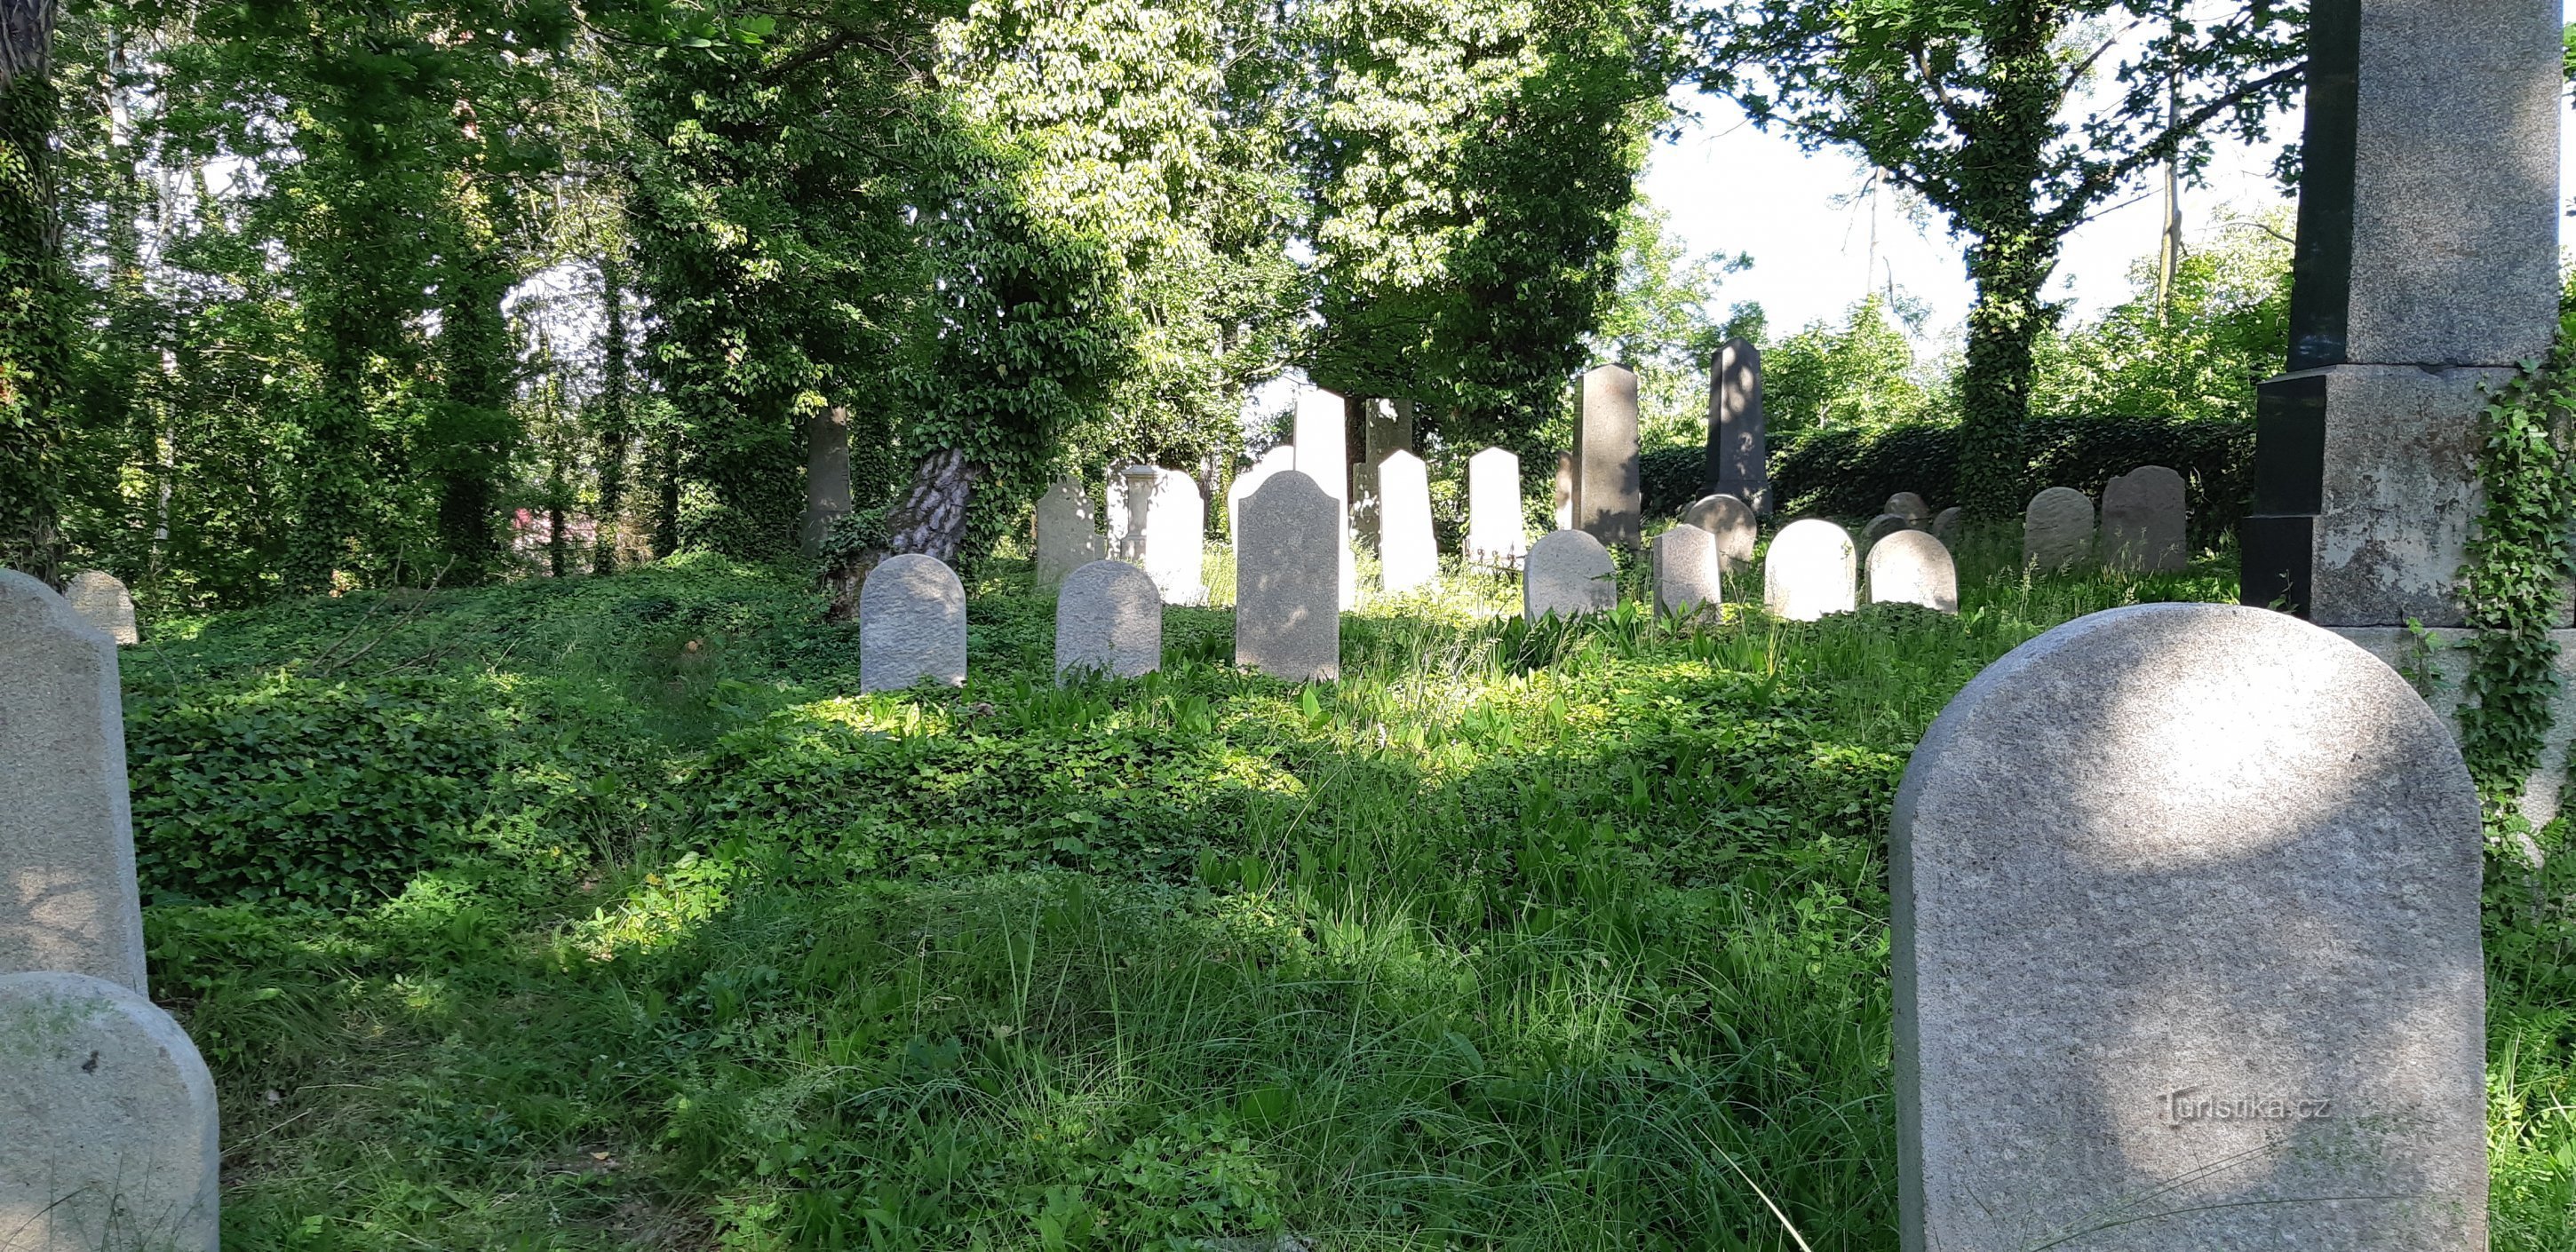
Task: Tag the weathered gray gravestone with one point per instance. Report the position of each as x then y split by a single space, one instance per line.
1607 486
1945 525
67 893
1909 506
1911 567
1067 539
1108 620
1809 571
101 599
1283 457
107 1121
1497 534
2057 530
1567 573
1386 426
827 475
1739 449
912 625
1564 514
1323 456
1408 557
1287 603
1731 521
1686 571
2186 950
2142 521
1881 526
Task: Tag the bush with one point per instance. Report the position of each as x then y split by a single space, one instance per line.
299 787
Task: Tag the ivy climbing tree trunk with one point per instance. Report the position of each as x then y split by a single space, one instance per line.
930 519
616 427
33 295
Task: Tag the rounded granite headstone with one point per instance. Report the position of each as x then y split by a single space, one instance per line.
1907 505
1283 457
1568 573
107 1121
1881 526
1287 593
912 625
2187 949
1911 567
1408 556
1108 620
102 599
2142 521
1945 525
1067 539
2057 530
67 894
1731 521
1686 571
1809 571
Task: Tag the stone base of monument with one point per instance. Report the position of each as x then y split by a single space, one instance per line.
2438 664
107 1122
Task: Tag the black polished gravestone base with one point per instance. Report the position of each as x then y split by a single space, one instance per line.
2277 539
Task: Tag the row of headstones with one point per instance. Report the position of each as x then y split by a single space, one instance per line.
2144 521
108 1133
1810 571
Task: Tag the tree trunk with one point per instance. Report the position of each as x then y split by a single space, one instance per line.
666 492
2013 254
34 296
930 519
615 424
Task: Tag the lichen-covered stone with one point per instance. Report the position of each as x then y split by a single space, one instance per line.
1108 620
1686 571
1731 521
912 625
1287 604
1911 567
2057 530
1568 573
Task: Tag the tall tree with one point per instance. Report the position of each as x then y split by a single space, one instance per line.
33 293
2018 119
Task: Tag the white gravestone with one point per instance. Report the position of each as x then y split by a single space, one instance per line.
912 625
1108 620
1408 556
1567 573
68 899
108 1135
1323 456
103 600
2057 530
2187 950
1174 547
1686 571
1911 567
1067 539
1497 533
1809 571
1287 606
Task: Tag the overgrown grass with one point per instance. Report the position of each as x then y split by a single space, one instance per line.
1568 937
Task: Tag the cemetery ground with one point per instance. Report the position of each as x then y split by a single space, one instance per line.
604 913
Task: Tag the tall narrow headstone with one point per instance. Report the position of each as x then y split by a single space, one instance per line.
68 899
1911 567
1607 482
1287 605
1809 571
1175 537
1497 533
2427 266
912 625
1386 426
2057 530
827 475
1108 620
2186 949
1408 557
1283 457
1323 456
1732 522
1739 448
1567 573
101 600
1565 470
1686 571
1067 540
110 1131
2142 521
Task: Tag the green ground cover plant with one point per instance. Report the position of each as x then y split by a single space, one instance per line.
602 913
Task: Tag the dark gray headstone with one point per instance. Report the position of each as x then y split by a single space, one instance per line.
1739 447
2142 521
2057 530
1607 487
1880 527
2187 951
1731 521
